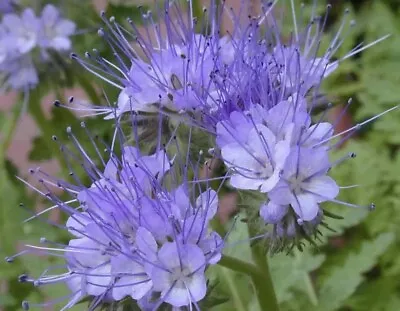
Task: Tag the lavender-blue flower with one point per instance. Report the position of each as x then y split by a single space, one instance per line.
136 232
20 35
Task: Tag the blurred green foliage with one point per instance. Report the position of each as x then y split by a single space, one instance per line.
355 268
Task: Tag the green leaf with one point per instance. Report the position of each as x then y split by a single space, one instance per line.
292 271
377 295
341 281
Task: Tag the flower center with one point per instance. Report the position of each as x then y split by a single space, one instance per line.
180 276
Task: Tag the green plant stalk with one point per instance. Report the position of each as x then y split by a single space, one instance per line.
262 283
264 288
239 266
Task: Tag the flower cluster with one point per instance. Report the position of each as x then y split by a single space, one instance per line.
171 70
21 35
253 91
141 230
281 153
134 237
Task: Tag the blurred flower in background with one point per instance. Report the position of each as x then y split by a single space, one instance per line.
26 43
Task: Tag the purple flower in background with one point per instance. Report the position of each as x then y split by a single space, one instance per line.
18 73
20 35
55 31
23 30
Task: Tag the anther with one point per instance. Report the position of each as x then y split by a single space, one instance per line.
22 278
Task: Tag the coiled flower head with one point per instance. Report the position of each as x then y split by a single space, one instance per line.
166 67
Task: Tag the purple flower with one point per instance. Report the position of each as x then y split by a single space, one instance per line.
171 71
284 155
54 30
298 72
304 183
273 213
20 35
136 232
18 73
256 163
22 29
180 277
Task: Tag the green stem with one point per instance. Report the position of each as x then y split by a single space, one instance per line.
239 266
264 286
261 280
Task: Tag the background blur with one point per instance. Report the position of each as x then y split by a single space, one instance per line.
357 267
